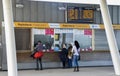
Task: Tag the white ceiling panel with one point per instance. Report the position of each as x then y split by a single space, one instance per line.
109 2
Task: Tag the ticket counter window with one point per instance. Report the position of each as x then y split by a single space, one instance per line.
46 36
46 40
52 39
84 37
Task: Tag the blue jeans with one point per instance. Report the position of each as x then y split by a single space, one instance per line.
75 61
70 63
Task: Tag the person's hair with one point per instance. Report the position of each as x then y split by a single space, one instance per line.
63 44
77 44
39 41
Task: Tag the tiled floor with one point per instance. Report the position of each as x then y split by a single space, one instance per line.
84 71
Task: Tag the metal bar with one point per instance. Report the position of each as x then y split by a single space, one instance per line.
110 36
10 38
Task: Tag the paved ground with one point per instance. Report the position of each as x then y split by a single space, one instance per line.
84 71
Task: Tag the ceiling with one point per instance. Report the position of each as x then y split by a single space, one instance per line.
109 2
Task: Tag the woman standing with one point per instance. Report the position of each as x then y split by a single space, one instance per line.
70 56
76 54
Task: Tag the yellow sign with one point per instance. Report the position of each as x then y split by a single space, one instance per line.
31 25
62 25
101 26
79 26
114 26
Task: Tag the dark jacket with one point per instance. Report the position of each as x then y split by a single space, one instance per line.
63 54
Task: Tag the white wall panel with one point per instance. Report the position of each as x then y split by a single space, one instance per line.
48 12
41 12
61 14
26 11
54 12
117 34
101 40
33 11
98 17
118 15
111 12
14 9
18 14
115 14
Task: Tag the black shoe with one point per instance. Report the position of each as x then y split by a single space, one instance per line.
75 69
37 69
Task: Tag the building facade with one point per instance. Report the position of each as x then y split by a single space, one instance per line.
46 12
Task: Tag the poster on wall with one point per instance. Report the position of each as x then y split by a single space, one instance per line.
49 31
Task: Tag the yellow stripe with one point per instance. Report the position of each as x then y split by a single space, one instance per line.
31 25
114 26
79 26
62 25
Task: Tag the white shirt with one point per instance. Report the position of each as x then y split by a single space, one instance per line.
75 50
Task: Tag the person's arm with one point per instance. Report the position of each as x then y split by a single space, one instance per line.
36 48
72 49
79 50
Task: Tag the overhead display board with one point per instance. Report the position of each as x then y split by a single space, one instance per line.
80 14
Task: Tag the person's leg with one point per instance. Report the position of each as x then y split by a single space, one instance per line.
40 60
37 64
74 62
70 63
77 63
63 64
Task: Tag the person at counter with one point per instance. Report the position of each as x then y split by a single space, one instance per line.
56 48
63 55
76 55
70 56
39 48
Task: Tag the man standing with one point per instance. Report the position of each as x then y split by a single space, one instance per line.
39 49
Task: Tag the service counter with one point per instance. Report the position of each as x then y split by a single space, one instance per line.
51 59
24 57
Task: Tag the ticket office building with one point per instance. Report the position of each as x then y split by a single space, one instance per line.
82 27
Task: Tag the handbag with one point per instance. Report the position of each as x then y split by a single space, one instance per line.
38 54
79 57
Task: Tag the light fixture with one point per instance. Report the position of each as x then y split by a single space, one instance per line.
19 5
98 9
61 8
